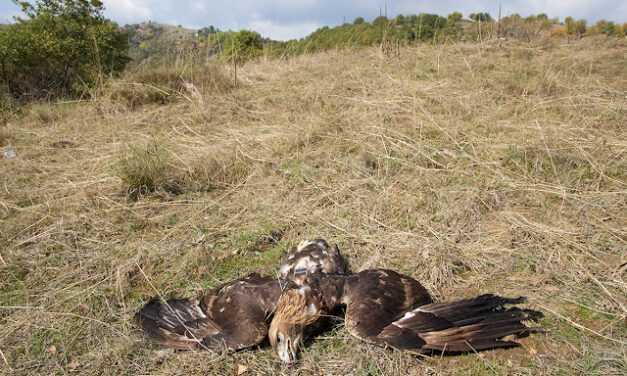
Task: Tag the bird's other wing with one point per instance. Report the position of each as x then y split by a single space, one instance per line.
234 316
466 325
376 298
176 323
242 309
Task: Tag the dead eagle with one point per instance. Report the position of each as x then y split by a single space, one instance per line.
235 315
390 309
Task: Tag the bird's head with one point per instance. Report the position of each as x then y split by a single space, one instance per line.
296 309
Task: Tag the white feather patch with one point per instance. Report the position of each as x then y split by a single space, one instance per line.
304 244
285 269
312 309
304 290
304 263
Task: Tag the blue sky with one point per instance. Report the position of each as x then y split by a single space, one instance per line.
285 19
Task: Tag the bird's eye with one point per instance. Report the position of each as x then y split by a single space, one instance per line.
280 336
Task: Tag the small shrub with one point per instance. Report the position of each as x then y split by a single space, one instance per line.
144 169
149 168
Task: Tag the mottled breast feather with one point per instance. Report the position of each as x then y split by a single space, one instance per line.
312 257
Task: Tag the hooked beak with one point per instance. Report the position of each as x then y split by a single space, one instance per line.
287 352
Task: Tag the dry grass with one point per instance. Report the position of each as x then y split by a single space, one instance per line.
165 84
475 168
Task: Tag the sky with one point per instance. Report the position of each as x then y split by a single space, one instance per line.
287 19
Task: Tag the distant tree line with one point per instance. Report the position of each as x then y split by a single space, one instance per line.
422 27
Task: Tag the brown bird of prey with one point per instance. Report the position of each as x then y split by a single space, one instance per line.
386 308
235 315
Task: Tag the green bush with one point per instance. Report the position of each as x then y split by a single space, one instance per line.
481 17
241 46
149 168
62 47
145 169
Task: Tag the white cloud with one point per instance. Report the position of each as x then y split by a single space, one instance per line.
126 11
282 32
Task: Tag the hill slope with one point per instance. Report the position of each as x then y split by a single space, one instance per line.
474 168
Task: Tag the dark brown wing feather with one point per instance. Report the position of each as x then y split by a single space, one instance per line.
242 309
233 316
395 310
479 323
375 298
177 323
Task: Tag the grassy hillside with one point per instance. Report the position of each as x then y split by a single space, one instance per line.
476 168
152 42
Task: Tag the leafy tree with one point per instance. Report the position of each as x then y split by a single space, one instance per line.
454 17
604 27
569 23
481 17
206 31
581 27
62 47
242 46
453 26
359 21
380 21
609 29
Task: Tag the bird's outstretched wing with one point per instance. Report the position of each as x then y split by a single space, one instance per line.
387 308
233 316
375 298
312 257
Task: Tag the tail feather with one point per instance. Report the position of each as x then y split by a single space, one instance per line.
478 324
474 307
177 323
465 346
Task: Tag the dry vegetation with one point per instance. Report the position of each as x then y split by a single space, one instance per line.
474 168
